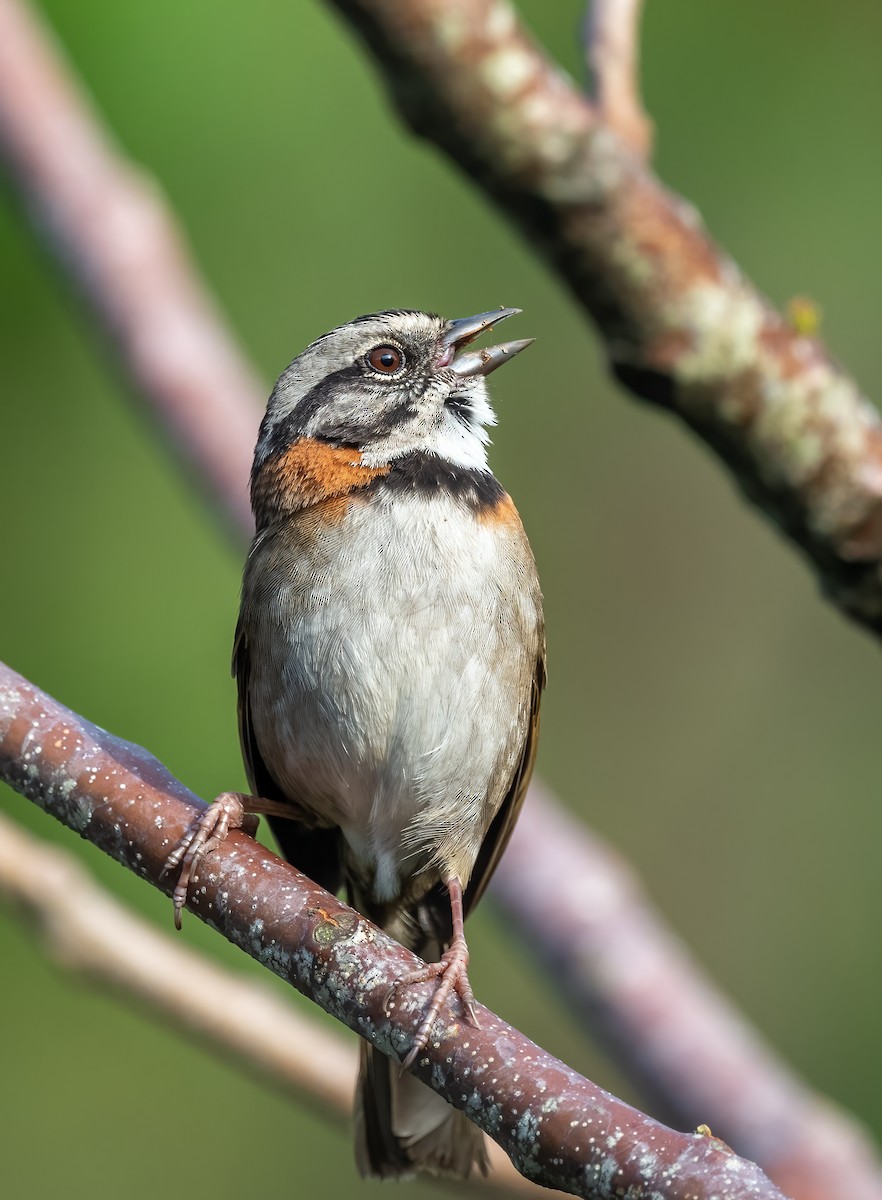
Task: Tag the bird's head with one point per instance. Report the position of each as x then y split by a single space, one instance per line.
390 384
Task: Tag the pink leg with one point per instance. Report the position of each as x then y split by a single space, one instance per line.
231 810
451 973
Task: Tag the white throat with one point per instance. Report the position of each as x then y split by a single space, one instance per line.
459 440
463 444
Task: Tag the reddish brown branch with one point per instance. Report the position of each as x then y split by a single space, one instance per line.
558 1128
612 40
683 328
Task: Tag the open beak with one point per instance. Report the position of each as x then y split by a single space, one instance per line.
479 362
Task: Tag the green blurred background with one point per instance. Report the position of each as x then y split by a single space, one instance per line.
707 711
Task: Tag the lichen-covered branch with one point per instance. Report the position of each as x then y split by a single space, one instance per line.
612 38
557 1127
85 929
682 326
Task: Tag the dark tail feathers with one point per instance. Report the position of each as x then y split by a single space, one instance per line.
402 1127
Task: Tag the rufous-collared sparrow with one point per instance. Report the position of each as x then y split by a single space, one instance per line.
390 656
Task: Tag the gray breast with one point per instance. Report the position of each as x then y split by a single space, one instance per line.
392 660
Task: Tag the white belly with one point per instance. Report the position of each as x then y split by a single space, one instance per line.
390 678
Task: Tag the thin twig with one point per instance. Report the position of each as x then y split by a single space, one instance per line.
558 1128
612 48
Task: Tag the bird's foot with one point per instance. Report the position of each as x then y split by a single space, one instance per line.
451 972
205 834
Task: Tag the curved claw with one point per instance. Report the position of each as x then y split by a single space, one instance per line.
451 971
205 834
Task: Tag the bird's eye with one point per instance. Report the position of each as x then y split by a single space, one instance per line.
385 359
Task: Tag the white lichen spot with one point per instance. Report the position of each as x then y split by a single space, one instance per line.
507 71
729 321
500 23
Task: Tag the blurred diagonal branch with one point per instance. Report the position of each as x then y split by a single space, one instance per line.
86 930
174 346
686 1046
558 1128
682 326
120 245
